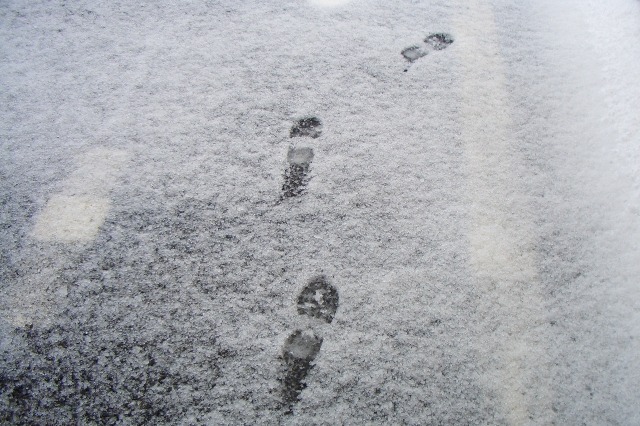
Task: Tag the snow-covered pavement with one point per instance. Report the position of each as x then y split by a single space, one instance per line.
320 212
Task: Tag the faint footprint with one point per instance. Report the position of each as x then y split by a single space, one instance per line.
318 299
413 53
434 41
296 175
309 126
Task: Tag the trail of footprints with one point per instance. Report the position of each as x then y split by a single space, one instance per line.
435 41
318 300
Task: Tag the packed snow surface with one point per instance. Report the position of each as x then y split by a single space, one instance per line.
320 212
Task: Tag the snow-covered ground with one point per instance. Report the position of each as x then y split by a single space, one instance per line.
244 212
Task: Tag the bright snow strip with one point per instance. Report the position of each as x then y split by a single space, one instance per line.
77 213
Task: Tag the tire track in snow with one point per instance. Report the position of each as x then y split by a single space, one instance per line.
500 232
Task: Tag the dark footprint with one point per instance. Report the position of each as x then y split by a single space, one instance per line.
318 299
296 176
299 350
439 41
309 127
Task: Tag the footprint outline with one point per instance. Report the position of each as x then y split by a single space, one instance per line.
299 159
433 42
303 345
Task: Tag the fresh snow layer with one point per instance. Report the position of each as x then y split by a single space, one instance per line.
186 187
329 3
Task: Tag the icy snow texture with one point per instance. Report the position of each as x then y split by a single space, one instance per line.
479 214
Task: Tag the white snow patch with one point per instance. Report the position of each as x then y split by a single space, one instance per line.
329 3
71 218
78 211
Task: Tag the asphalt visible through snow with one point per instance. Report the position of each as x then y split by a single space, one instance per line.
320 212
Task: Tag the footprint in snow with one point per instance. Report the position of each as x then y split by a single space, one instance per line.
308 126
299 159
413 53
434 41
439 41
296 175
318 299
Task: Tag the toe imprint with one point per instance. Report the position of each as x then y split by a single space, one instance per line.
439 41
309 127
318 299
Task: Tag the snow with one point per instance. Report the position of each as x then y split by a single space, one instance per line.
328 3
478 213
77 213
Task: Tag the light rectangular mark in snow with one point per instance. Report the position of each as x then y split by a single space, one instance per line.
71 218
76 213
